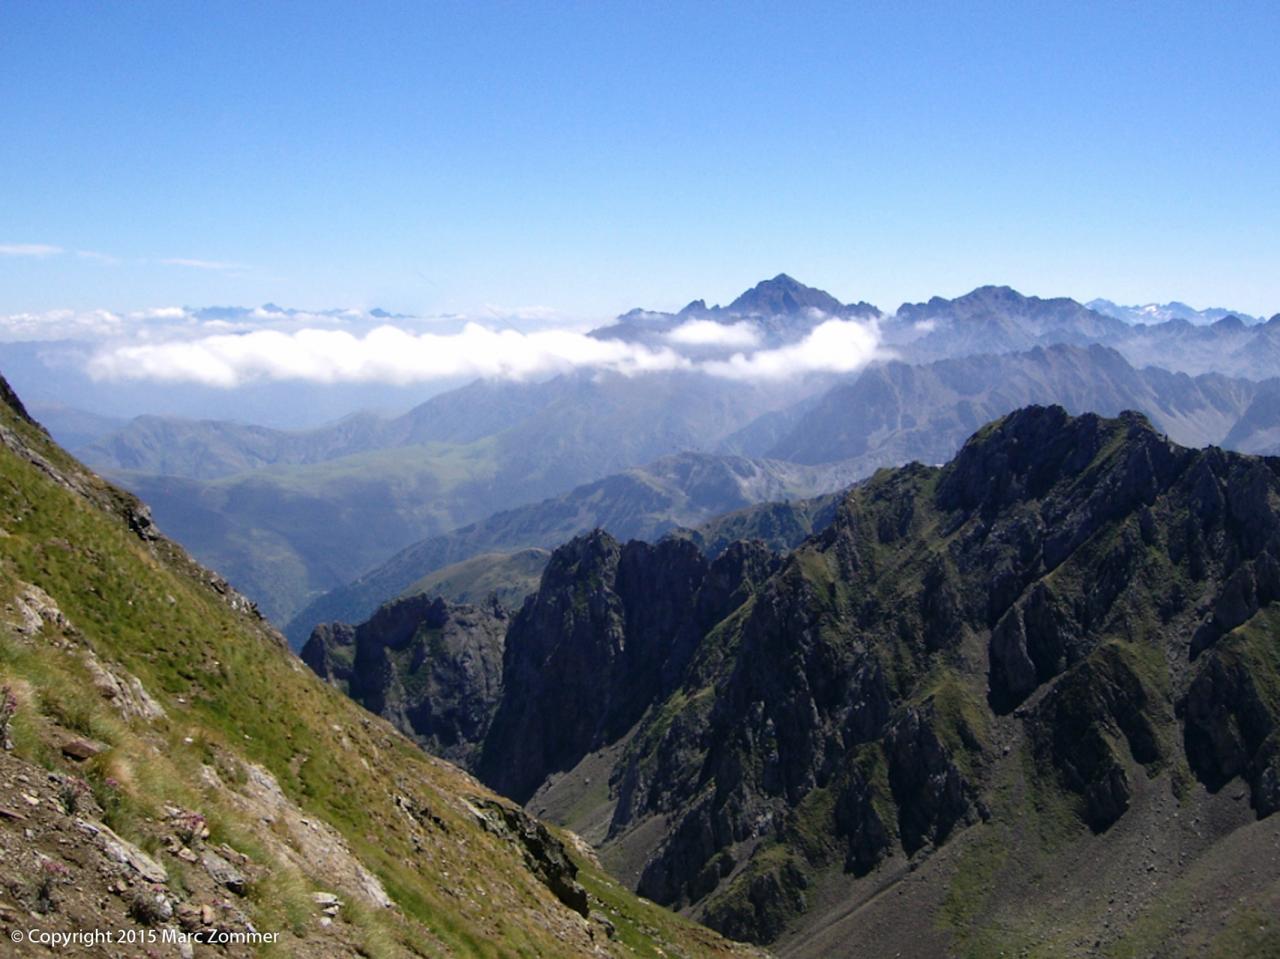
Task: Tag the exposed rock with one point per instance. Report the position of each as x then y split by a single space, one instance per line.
124 852
431 667
223 873
610 626
931 793
544 854
81 749
32 608
124 690
1101 720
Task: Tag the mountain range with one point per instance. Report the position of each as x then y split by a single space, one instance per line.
291 515
1029 699
892 413
683 490
1163 312
983 634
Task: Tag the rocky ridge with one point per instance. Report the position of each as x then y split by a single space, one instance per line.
1048 645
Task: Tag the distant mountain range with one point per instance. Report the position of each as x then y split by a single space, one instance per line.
250 499
1164 312
682 490
781 310
335 502
891 414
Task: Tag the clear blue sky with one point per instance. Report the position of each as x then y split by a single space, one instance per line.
596 156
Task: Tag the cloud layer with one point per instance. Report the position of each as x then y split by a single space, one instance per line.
385 354
393 354
834 346
29 249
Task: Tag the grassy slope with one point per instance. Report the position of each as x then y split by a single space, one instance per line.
234 697
285 533
508 576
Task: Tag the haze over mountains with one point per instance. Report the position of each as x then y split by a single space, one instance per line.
290 515
1163 312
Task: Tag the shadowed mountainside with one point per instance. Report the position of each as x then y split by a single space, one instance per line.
1031 697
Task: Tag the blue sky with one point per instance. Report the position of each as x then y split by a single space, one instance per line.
592 157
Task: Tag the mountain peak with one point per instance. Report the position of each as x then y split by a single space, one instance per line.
782 295
1023 454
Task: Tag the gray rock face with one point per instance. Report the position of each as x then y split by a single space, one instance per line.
223 872
608 633
432 668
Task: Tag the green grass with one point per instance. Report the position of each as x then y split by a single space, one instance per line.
449 465
969 893
234 697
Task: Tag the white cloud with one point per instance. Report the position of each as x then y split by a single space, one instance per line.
29 249
392 354
711 333
836 346
385 354
94 255
203 264
925 326
162 313
61 325
166 323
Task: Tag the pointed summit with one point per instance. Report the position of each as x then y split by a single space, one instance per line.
783 295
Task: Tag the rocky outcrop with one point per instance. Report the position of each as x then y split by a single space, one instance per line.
931 793
1098 724
609 633
1232 717
432 668
10 399
544 854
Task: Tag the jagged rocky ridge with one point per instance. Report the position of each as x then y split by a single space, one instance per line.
1063 637
431 667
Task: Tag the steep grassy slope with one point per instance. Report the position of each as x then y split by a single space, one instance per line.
176 768
506 577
